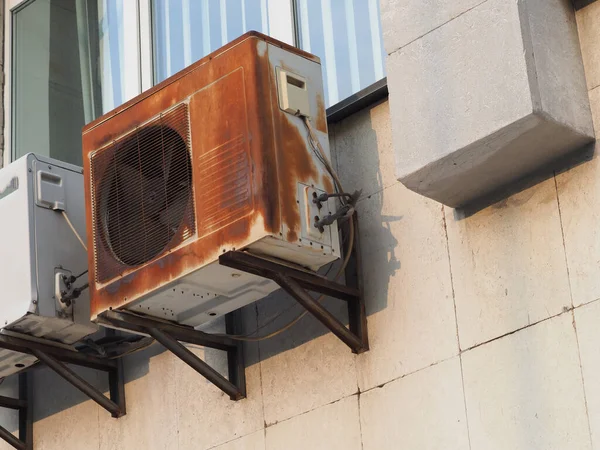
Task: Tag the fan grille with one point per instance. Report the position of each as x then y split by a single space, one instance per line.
142 194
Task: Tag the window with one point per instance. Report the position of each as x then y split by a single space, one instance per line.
345 34
72 60
187 30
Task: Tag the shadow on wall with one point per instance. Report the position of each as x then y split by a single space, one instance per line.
502 197
360 143
579 4
357 148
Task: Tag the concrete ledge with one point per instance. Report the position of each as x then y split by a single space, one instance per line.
488 98
494 161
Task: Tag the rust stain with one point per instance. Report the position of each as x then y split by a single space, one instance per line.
328 183
223 182
321 120
264 156
295 165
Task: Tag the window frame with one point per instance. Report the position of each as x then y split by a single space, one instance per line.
287 30
143 62
11 6
281 22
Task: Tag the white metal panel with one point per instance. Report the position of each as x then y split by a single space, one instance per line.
58 247
34 242
17 266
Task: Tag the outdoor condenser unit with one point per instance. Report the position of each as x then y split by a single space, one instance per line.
39 253
213 159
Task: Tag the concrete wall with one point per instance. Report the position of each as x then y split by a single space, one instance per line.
482 93
483 327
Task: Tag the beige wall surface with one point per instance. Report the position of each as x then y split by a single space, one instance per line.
483 324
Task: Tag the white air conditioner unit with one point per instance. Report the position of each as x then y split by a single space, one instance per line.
39 255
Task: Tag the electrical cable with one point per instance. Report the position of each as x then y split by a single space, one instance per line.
316 144
320 153
81 274
64 214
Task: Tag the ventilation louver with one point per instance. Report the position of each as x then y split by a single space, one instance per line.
144 205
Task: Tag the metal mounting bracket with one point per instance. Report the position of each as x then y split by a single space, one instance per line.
297 282
23 405
171 335
55 358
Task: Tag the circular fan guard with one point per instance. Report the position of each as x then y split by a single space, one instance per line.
145 193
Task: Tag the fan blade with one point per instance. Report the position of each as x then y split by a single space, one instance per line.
173 213
130 186
154 196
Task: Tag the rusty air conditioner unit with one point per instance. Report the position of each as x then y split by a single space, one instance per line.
208 192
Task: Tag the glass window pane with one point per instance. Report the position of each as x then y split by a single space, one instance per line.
346 35
72 61
187 30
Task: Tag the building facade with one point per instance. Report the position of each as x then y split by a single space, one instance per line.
482 321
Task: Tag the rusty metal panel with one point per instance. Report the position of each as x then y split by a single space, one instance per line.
224 185
247 157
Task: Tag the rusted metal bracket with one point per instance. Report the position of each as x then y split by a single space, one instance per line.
55 358
297 282
171 335
115 405
23 405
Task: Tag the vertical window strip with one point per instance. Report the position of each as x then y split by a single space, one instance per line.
114 15
85 61
106 81
187 33
223 22
169 69
352 46
280 20
333 96
205 28
264 16
376 39
146 60
244 25
130 63
304 26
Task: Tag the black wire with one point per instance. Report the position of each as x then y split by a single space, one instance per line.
82 288
340 194
81 274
